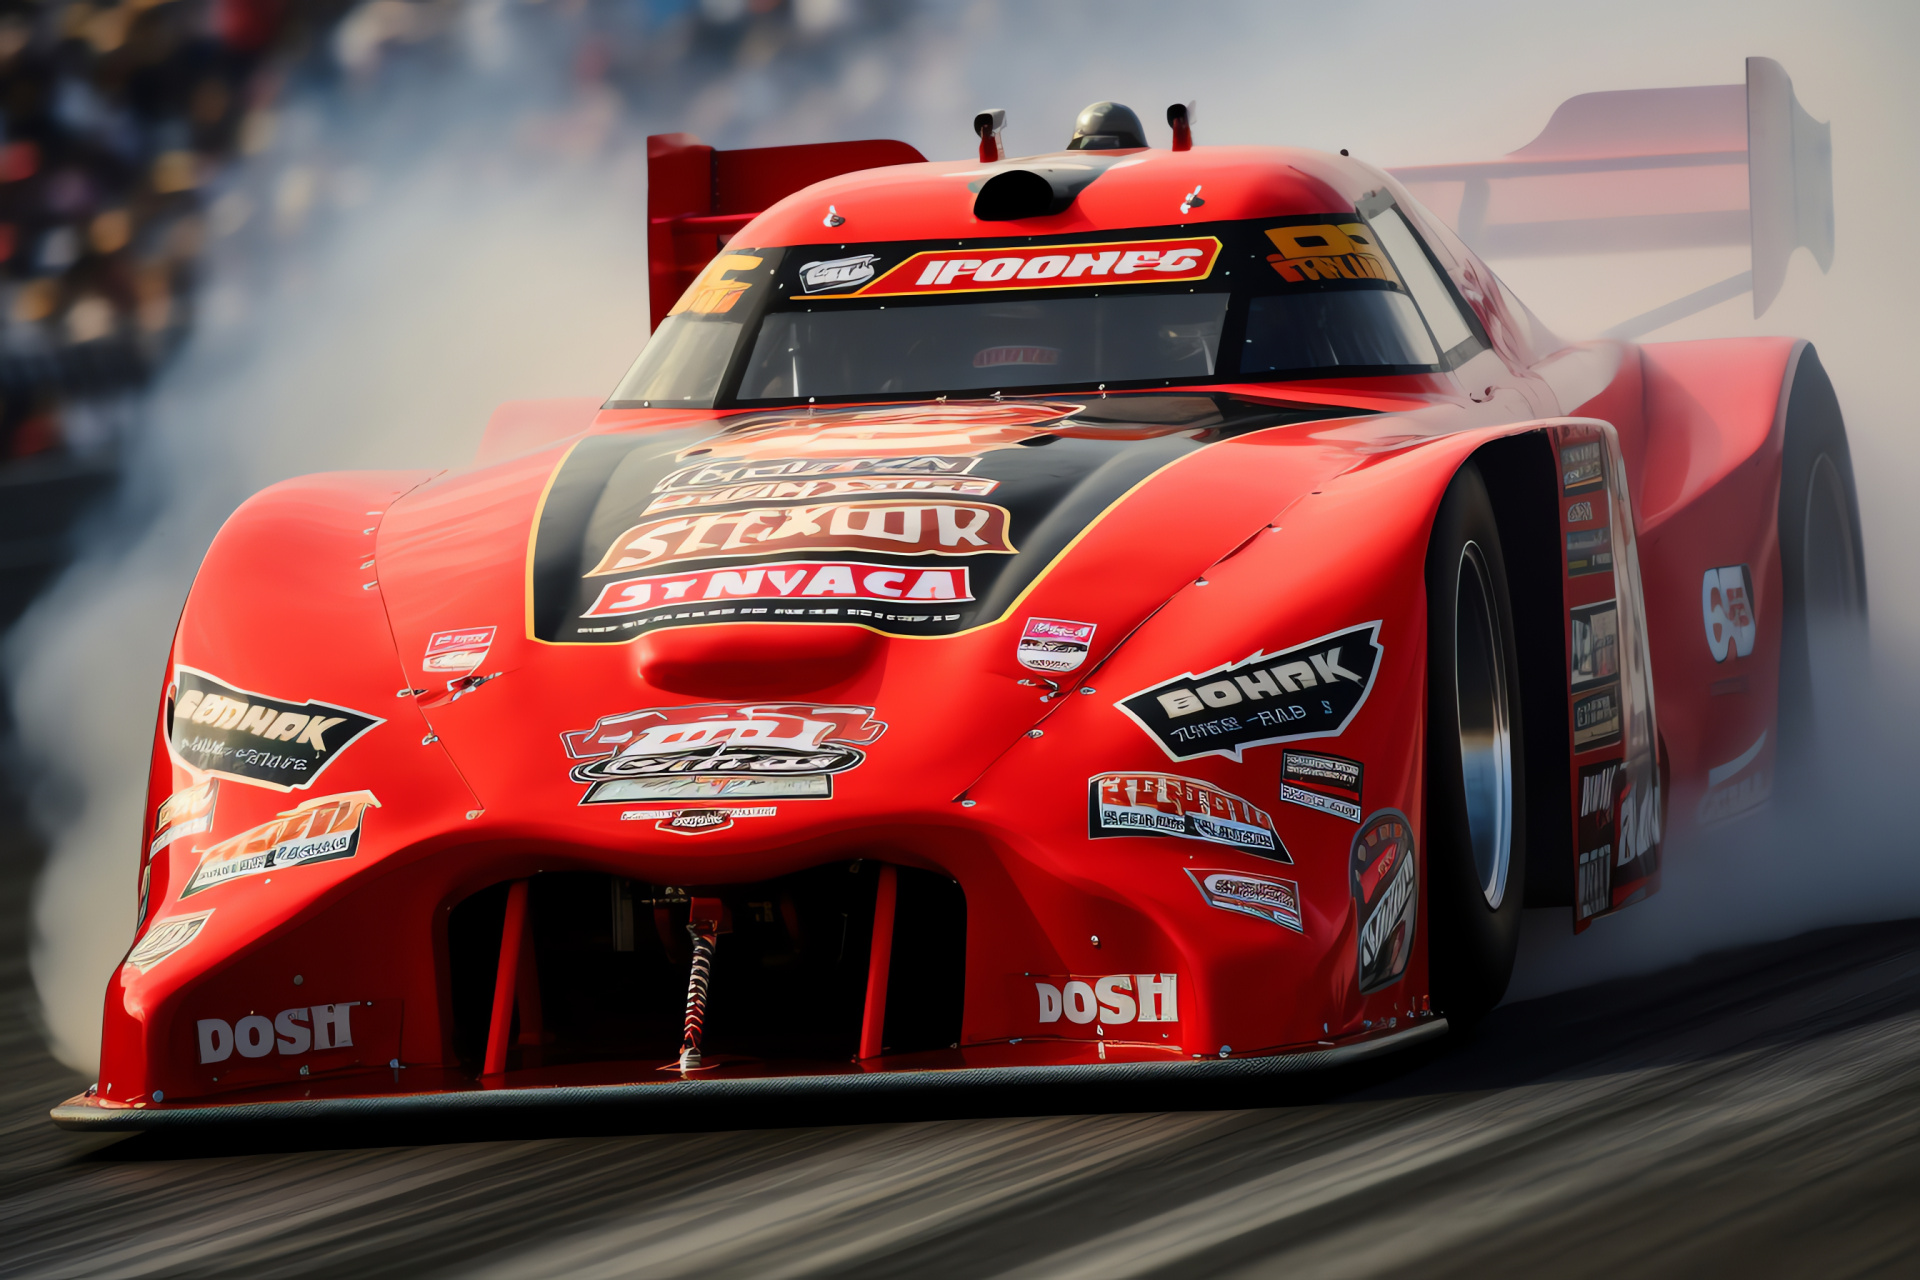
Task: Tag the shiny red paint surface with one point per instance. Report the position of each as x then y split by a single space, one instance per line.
333 588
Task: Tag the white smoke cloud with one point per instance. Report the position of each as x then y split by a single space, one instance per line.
474 269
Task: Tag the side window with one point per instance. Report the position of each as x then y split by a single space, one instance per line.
1430 292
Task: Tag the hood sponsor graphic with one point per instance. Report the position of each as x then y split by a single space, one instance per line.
693 822
251 737
1310 691
1329 251
318 830
1726 606
1262 897
187 812
1328 783
1386 895
777 750
898 528
1050 644
701 481
168 935
1114 999
1589 551
457 652
1594 632
812 490
950 428
809 580
1582 467
837 273
1161 804
1056 266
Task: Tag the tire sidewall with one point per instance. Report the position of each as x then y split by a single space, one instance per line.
1471 945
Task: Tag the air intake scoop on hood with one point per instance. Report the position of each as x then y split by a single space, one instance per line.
739 660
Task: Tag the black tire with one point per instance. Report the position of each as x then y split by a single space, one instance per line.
1476 825
1823 570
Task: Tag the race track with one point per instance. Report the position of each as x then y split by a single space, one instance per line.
1756 1114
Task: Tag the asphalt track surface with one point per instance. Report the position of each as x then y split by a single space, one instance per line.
1756 1113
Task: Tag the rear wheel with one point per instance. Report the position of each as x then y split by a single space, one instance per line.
1476 785
1823 641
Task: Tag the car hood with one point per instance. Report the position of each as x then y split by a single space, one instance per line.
921 571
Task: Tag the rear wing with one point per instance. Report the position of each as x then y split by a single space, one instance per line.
1642 169
698 197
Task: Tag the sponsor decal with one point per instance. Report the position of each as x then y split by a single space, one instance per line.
251 737
953 428
1113 1000
302 1029
1733 789
999 357
1328 783
1057 266
899 528
718 288
457 652
1580 513
814 488
1582 467
837 273
168 935
1594 891
1596 719
782 750
1052 644
1386 895
1310 691
1726 606
1589 551
318 830
187 812
1160 804
1259 896
811 580
702 480
693 822
1329 251
1595 635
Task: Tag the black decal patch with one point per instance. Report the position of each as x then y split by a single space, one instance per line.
1328 783
1310 691
1386 893
251 737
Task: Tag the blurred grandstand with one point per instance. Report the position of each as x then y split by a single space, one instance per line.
143 140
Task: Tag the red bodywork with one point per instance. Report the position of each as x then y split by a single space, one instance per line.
966 761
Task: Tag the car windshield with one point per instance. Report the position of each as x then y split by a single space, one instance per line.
1223 302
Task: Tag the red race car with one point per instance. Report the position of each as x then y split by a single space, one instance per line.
1112 613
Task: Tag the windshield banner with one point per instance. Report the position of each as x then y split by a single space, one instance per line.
1053 266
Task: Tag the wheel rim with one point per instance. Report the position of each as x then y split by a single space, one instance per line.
1830 588
1486 745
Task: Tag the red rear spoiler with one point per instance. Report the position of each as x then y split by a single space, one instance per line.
697 197
1655 169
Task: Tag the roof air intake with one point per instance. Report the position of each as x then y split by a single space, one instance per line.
1022 193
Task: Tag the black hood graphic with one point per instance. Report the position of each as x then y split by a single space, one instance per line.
921 519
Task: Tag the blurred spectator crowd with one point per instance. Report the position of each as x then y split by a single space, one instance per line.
114 118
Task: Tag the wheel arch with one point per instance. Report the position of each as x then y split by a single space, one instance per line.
1524 487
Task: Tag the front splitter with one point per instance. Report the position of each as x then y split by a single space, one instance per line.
93 1115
